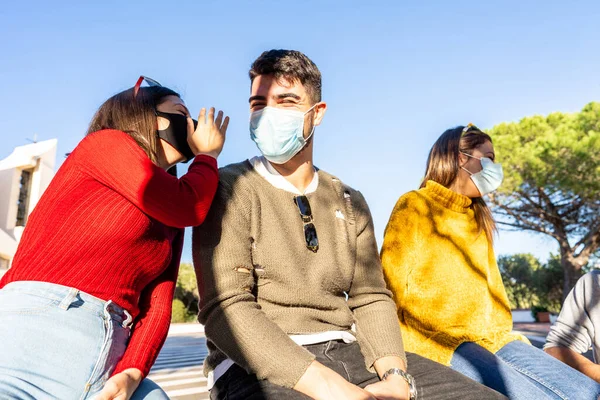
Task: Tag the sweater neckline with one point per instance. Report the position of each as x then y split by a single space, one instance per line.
447 197
270 174
320 177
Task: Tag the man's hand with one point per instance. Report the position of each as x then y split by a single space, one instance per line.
322 383
393 388
121 386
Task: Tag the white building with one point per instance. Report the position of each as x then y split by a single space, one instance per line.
24 175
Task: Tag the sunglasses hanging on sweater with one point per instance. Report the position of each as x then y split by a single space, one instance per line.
310 232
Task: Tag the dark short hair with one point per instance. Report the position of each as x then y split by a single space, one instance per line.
292 66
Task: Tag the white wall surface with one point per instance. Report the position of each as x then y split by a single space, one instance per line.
40 157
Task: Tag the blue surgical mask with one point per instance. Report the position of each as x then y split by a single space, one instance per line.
278 133
489 178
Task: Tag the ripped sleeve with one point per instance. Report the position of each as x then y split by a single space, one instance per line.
233 320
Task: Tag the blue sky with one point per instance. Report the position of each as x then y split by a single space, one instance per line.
396 74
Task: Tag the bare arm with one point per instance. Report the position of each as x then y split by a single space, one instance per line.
575 360
577 326
321 383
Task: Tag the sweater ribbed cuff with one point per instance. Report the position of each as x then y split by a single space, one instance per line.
205 159
379 337
285 372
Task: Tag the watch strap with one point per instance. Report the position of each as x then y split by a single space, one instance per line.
412 387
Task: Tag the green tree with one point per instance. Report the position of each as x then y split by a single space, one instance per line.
185 302
517 272
548 282
530 284
178 312
552 185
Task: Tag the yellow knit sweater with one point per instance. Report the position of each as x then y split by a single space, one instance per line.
443 273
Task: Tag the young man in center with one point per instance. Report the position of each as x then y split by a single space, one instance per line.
292 292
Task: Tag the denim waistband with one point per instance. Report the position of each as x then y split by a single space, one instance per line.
67 297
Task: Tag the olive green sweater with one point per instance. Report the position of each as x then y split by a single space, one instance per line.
259 283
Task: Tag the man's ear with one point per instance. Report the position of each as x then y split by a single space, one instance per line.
320 109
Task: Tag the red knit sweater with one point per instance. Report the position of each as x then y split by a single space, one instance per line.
110 224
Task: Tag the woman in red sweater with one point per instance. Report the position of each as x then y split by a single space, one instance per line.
86 305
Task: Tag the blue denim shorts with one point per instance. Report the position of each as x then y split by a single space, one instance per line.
57 342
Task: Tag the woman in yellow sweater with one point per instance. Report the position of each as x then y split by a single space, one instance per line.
439 262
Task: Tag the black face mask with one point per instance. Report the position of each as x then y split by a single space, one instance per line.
176 133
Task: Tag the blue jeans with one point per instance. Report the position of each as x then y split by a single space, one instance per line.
57 342
521 371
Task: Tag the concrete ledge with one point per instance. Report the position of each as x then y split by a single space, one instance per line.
184 329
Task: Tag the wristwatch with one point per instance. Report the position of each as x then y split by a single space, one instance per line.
412 387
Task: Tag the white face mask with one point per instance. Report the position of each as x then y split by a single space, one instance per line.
489 178
279 133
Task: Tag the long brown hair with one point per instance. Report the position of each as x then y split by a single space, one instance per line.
443 166
135 116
